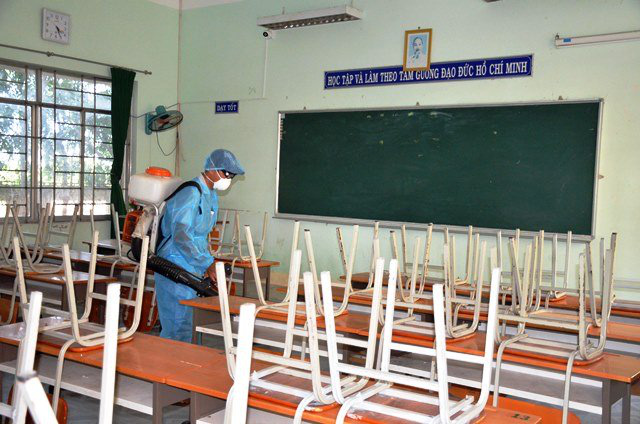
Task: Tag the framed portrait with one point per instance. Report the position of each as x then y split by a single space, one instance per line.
417 49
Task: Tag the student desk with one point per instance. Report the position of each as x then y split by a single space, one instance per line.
212 383
616 331
148 358
264 269
615 372
107 246
206 310
80 279
620 308
180 370
80 260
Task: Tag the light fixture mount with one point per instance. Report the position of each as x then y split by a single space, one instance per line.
311 17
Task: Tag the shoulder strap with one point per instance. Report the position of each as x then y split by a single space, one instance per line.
184 185
161 239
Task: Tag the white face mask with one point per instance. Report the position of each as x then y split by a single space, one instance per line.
222 184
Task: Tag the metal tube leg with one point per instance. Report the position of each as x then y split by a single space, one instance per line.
59 368
567 388
626 403
244 282
606 401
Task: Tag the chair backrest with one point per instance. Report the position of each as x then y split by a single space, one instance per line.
17 410
107 384
29 393
439 384
236 408
225 313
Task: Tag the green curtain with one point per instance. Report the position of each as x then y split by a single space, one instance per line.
122 90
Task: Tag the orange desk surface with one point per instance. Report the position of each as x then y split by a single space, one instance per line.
78 256
197 369
146 357
612 366
623 308
215 382
58 278
621 331
262 263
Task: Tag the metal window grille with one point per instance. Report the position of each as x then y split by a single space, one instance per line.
55 141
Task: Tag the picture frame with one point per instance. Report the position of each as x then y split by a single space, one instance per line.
417 49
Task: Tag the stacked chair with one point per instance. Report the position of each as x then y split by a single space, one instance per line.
409 404
29 395
525 310
358 386
42 243
72 328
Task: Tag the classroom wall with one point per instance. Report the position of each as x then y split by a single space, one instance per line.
130 33
223 55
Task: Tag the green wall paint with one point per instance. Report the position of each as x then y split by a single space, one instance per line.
131 33
223 55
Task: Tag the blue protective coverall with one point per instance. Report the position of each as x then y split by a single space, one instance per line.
188 218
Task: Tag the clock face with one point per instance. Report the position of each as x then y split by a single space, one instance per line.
55 26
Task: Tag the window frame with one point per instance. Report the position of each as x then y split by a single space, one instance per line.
34 186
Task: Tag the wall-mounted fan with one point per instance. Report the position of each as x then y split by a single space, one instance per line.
162 120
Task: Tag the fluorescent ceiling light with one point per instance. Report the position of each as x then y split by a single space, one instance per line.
311 17
597 39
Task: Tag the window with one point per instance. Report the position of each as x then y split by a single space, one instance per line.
55 141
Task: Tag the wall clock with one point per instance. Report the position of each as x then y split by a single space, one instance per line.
55 26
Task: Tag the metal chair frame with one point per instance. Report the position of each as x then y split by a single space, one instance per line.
524 312
235 250
386 379
70 320
17 410
284 363
238 396
120 257
29 393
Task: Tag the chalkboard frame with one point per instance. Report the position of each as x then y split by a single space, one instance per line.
452 228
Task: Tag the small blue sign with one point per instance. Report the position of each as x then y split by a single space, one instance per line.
227 107
497 67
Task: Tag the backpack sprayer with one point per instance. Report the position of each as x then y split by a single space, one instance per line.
150 191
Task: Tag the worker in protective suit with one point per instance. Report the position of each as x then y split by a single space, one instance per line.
188 218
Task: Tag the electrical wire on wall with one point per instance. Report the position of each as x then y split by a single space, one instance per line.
162 150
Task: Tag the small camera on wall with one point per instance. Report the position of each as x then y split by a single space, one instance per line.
268 34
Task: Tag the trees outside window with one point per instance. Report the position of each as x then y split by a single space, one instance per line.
55 141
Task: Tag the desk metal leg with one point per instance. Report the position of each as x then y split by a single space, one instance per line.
203 405
164 395
244 282
267 282
606 401
202 317
626 403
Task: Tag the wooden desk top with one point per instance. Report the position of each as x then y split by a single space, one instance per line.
347 322
197 368
106 244
78 256
215 381
612 366
58 278
623 308
262 263
615 330
146 357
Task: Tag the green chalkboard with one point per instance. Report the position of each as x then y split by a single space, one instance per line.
511 166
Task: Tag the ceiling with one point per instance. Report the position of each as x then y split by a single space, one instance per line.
192 4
